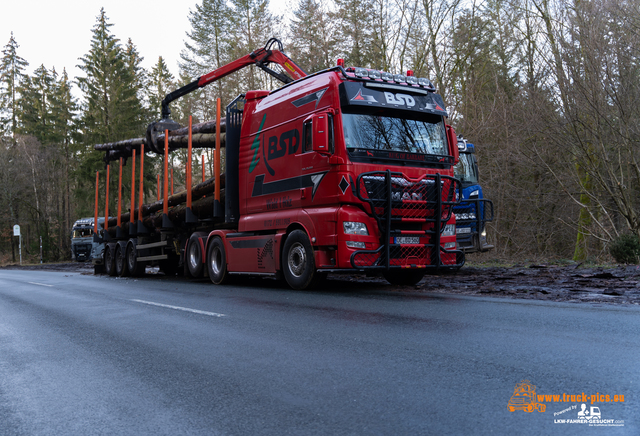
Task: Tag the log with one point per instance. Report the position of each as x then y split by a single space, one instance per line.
205 188
198 140
203 136
202 208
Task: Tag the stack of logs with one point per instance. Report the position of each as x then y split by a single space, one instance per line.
203 136
202 206
202 195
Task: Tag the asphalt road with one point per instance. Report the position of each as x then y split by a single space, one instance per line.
85 355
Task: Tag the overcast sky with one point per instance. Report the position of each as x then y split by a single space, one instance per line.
56 34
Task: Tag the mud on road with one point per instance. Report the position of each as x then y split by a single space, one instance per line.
575 283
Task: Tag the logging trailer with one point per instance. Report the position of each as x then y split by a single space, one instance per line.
343 170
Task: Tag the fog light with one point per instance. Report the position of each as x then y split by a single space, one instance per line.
449 245
355 244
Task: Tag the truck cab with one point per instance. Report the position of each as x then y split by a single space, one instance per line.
474 211
343 170
82 239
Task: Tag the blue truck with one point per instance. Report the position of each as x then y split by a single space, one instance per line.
474 210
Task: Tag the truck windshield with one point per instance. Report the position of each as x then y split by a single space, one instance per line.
466 170
379 132
81 233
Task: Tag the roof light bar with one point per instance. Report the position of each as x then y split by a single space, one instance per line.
425 82
373 74
400 78
361 72
387 77
409 79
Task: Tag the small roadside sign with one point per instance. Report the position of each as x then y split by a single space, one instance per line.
16 230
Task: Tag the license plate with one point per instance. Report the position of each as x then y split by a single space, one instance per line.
407 240
463 230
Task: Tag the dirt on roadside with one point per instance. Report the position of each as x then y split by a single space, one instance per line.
575 283
619 285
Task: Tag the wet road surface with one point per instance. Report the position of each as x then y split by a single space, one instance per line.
96 355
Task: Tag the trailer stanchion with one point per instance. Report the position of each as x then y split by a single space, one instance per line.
132 230
119 233
189 217
166 222
218 213
106 236
141 228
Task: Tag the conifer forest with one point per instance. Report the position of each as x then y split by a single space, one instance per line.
547 90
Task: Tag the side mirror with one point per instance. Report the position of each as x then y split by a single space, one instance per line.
320 133
453 144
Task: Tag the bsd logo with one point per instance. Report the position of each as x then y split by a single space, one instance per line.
403 99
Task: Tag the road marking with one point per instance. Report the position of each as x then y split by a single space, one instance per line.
41 284
184 309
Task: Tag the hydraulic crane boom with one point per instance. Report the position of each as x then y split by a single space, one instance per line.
261 58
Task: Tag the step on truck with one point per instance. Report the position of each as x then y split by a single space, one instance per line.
344 170
474 211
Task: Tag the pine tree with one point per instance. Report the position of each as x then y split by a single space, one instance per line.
11 68
111 107
35 103
252 26
312 36
208 47
353 23
161 83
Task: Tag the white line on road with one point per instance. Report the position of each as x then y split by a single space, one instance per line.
184 309
41 284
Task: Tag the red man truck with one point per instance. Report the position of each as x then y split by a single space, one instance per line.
344 170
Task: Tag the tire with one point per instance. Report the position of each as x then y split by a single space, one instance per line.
109 262
298 263
217 262
121 262
136 269
542 407
193 257
407 277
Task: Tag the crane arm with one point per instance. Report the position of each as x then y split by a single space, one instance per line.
261 58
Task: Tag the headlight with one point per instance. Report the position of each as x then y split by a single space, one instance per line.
449 245
449 230
353 228
474 194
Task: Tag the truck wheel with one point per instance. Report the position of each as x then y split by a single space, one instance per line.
217 262
136 269
194 257
109 262
298 263
121 262
404 277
